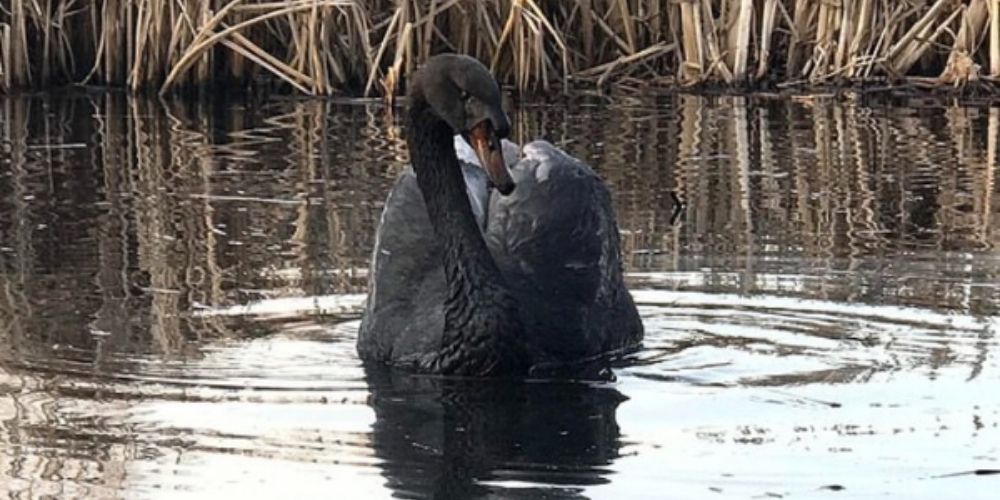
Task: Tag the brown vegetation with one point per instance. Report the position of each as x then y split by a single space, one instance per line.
355 46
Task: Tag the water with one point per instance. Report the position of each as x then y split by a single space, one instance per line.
180 287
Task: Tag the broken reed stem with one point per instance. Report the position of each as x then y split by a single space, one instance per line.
369 46
692 66
739 37
768 23
994 9
961 67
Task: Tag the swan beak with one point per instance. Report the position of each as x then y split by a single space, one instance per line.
490 152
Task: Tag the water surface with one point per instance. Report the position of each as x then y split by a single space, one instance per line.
180 289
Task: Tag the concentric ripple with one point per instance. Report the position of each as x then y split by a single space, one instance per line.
180 294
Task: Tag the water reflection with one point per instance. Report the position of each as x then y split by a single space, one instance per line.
179 287
454 438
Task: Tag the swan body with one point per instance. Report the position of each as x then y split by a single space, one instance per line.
468 280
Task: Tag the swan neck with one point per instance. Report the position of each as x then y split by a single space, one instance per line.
439 175
482 333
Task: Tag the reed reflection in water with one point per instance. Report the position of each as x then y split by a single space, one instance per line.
180 284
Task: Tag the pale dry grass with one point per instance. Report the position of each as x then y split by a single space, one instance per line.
369 46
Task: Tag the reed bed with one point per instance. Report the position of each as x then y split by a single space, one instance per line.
368 47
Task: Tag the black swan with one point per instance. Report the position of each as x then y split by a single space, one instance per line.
468 281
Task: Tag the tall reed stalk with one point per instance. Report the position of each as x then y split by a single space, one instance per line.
369 46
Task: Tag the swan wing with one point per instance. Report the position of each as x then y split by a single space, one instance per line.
556 241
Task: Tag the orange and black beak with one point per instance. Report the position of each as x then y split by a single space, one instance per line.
486 143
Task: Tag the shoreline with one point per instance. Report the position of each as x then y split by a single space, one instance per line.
984 92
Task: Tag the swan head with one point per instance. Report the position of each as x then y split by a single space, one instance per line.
459 90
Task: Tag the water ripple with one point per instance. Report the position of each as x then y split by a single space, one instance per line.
181 285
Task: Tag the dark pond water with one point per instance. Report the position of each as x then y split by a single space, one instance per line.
180 287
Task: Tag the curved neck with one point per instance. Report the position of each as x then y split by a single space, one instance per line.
439 175
482 330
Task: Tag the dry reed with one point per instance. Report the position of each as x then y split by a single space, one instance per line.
368 47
